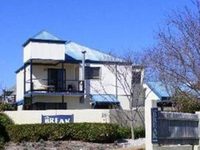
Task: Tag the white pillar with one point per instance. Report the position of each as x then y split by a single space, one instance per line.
148 124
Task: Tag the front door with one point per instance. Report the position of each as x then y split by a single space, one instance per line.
56 79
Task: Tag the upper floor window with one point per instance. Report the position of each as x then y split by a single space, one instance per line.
136 77
92 72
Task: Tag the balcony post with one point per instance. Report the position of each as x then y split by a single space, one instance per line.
31 81
24 79
63 76
83 73
63 81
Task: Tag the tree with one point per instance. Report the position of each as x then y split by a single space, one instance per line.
175 59
129 83
183 102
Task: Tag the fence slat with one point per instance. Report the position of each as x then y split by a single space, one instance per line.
177 128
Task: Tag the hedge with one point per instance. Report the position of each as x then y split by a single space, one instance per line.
5 106
90 132
139 132
4 121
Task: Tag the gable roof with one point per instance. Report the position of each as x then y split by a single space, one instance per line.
44 36
159 89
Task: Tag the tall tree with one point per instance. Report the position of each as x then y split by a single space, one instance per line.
175 59
129 86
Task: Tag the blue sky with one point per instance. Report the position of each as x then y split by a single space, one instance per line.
113 26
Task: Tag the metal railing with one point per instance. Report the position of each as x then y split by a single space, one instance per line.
45 85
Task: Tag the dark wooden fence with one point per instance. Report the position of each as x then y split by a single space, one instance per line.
175 128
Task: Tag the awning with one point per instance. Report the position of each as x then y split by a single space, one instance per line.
104 98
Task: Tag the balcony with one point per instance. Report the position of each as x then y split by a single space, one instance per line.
54 87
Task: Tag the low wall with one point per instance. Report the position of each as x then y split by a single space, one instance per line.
31 117
120 117
124 117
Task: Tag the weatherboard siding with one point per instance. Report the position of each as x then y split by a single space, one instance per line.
20 85
48 51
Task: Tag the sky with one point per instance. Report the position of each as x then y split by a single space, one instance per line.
116 26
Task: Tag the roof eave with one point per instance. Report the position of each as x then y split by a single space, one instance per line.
44 41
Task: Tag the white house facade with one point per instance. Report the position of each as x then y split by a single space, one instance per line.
59 74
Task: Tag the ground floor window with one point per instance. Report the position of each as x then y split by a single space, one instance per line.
106 106
45 106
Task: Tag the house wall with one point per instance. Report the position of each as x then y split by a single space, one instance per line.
104 85
107 82
40 74
124 102
119 86
39 77
20 86
149 94
39 50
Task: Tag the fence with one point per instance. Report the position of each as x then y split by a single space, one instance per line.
176 128
170 128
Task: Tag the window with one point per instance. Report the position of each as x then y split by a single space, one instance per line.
46 106
56 78
136 77
92 72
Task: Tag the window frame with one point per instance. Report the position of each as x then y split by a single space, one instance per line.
91 75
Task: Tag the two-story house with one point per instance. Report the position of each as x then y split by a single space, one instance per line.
59 74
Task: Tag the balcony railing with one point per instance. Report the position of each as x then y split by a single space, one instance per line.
45 85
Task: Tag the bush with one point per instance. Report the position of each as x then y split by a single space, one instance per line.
90 132
5 120
185 102
139 132
5 106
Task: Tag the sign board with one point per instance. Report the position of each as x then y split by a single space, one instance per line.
154 114
57 118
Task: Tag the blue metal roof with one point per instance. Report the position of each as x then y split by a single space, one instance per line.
159 89
44 35
104 98
74 51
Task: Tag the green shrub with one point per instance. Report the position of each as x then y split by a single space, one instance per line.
139 132
90 132
124 132
5 106
5 120
185 102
